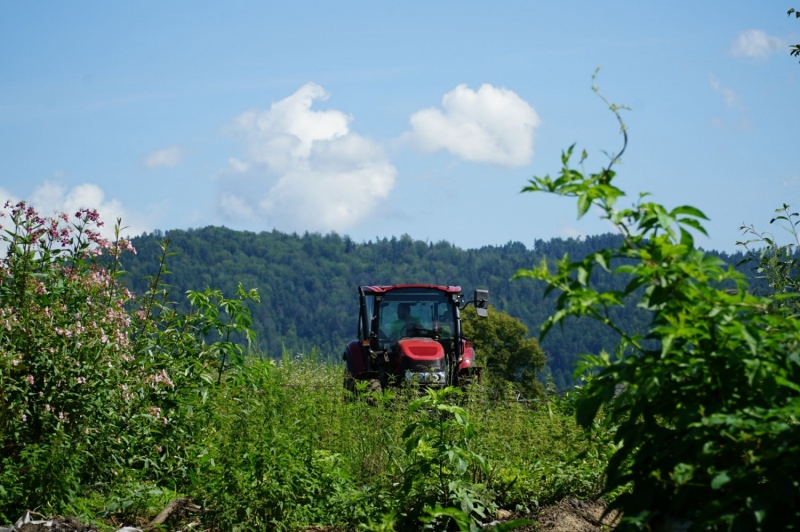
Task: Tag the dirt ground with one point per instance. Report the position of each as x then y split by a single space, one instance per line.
572 515
569 515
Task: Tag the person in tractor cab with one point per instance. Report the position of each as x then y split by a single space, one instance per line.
403 322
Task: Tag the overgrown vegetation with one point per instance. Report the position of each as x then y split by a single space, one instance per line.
706 400
504 349
308 283
112 405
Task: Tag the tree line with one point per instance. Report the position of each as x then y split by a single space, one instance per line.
308 283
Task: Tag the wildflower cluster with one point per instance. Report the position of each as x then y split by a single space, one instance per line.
64 343
91 377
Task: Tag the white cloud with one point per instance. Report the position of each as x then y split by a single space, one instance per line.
52 198
234 206
729 95
490 125
168 157
756 44
305 169
237 165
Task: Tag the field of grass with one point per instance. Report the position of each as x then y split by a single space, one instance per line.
112 404
283 448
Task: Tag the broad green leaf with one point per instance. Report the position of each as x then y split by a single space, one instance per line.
720 480
689 210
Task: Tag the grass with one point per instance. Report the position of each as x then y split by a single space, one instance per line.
282 448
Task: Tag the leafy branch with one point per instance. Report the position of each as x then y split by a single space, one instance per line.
706 398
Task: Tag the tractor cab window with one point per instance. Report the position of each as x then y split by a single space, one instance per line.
415 313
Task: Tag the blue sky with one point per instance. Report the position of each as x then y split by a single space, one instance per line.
374 119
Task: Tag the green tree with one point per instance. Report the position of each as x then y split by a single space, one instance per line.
504 348
794 50
308 283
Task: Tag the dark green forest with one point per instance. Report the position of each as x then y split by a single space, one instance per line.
308 283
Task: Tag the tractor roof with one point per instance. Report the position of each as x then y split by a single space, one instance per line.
384 289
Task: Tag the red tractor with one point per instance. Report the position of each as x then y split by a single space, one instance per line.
412 333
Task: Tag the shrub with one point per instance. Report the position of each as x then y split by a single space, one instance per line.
707 416
92 381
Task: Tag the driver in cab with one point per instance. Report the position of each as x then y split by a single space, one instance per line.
403 322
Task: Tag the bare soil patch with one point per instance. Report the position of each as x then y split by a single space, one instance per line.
569 515
573 515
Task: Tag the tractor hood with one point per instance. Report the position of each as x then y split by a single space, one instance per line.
421 360
422 350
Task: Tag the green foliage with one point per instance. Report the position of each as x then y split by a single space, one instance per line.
308 282
159 403
96 388
266 464
63 343
778 264
794 50
505 350
442 465
707 420
538 456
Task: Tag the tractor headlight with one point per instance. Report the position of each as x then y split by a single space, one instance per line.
425 377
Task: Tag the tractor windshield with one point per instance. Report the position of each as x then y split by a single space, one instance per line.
415 312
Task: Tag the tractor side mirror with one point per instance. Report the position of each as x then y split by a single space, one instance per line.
481 301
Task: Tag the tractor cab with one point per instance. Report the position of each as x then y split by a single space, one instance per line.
412 333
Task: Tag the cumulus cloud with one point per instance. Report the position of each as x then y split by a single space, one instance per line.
756 44
304 169
490 125
51 198
168 157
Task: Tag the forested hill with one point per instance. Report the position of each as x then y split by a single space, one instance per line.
308 284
